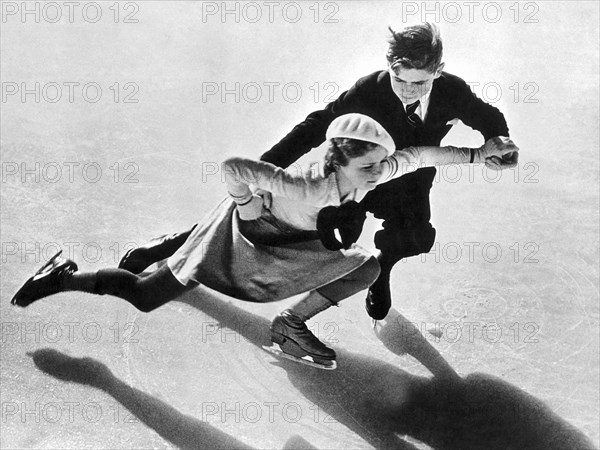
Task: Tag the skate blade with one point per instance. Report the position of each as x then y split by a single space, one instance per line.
275 349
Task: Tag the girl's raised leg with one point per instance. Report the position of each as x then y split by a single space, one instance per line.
61 274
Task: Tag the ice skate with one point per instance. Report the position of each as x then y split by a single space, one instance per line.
379 296
293 340
48 280
378 301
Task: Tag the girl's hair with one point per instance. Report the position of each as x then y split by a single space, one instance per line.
341 150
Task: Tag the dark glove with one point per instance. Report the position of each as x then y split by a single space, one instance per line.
347 218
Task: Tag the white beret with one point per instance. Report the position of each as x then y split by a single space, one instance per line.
359 126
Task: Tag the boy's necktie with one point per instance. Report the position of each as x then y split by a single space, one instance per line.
412 116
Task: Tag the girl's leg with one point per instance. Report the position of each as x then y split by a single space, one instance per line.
60 274
356 281
145 293
289 329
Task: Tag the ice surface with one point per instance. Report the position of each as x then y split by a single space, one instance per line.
512 283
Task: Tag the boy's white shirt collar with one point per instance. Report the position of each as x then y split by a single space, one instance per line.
422 109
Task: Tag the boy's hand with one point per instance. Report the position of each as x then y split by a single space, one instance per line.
508 161
503 153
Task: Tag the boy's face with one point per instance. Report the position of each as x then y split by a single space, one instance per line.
412 84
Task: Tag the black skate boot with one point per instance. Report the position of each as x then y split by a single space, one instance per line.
138 259
293 340
48 280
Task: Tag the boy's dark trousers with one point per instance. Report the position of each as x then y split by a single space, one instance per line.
403 204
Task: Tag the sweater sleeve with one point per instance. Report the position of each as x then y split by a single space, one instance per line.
413 158
240 173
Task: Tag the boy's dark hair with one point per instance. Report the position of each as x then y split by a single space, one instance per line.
416 47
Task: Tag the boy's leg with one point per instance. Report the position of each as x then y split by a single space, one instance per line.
138 259
403 204
395 244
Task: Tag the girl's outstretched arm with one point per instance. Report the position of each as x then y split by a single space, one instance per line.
413 158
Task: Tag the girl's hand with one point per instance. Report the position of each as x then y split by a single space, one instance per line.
251 210
266 196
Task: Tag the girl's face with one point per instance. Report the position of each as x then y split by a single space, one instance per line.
363 172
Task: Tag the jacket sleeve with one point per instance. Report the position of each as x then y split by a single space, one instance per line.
477 114
310 133
240 173
413 158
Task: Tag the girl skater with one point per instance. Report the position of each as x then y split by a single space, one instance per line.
259 255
